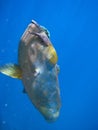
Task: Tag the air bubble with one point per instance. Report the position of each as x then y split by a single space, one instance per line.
6 105
3 122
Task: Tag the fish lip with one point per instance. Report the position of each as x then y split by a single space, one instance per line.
53 117
49 114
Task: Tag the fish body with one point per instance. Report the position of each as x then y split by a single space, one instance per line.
37 68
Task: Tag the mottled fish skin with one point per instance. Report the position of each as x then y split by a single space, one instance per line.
39 74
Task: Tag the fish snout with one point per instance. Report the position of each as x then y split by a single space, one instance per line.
50 114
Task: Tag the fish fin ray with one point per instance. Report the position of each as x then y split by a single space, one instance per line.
11 70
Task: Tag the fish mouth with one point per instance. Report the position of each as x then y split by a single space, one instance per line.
49 114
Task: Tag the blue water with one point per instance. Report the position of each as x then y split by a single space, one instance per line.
73 26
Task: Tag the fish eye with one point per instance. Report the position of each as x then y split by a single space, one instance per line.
36 72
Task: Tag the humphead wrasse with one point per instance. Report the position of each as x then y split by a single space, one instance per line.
37 68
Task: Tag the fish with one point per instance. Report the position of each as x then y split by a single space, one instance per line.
38 70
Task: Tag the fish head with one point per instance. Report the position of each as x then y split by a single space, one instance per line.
47 93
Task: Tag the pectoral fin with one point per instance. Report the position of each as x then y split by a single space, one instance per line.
11 70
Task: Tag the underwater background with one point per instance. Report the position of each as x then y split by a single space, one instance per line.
73 27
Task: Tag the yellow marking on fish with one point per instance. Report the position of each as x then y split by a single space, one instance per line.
51 54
